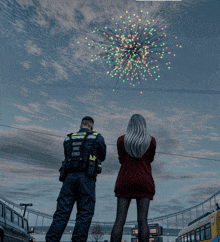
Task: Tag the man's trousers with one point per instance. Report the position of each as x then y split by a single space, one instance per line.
77 187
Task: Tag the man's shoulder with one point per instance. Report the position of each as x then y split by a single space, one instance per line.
68 137
91 135
99 136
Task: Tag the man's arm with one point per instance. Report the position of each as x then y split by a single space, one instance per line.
102 147
64 147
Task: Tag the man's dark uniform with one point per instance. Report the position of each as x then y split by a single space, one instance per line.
77 186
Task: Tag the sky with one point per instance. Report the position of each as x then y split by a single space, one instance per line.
49 83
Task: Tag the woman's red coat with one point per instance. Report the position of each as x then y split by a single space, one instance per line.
135 176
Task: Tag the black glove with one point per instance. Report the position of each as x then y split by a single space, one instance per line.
63 172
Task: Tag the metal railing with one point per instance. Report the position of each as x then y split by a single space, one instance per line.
174 220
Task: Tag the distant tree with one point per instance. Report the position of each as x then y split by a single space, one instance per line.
97 233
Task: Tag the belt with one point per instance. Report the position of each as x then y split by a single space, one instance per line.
72 170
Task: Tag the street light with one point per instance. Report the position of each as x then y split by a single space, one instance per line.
25 205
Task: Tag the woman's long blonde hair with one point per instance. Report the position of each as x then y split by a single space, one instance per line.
137 140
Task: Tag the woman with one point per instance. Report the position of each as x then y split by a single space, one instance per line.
136 151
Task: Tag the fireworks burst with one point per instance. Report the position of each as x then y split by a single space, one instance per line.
133 49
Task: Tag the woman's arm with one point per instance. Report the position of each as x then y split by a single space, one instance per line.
121 150
152 150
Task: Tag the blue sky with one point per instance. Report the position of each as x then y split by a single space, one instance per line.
48 84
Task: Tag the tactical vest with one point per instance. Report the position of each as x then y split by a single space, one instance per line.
76 159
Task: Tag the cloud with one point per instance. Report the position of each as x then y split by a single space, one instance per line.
61 73
58 106
24 91
167 142
51 25
111 165
22 119
203 153
30 108
34 111
201 192
26 64
44 63
187 198
26 181
33 148
33 48
171 206
39 110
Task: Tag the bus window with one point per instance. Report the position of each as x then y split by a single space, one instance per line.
15 218
25 225
197 235
188 237
202 233
8 214
192 236
1 210
20 221
185 238
207 231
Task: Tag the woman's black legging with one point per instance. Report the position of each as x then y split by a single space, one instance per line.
122 210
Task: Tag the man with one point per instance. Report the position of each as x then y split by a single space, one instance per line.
82 150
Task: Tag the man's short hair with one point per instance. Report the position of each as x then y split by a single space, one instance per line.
87 121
